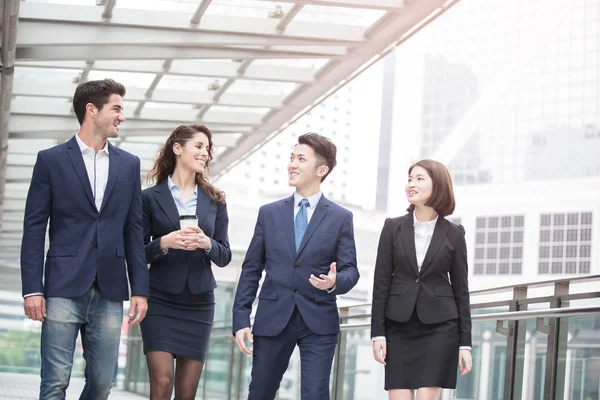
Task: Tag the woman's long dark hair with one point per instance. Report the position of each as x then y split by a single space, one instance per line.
164 165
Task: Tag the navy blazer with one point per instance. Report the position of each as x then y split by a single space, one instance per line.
84 242
399 287
170 271
328 238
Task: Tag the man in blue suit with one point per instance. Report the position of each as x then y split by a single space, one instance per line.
305 244
91 192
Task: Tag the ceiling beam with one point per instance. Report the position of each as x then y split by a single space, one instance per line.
211 69
200 12
108 9
288 17
53 33
152 52
385 5
35 107
305 99
54 90
179 21
23 126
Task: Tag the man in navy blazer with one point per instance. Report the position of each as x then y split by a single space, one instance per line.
305 244
91 192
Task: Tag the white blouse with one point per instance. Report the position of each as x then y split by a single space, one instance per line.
423 234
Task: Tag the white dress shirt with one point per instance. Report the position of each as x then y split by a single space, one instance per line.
96 165
423 235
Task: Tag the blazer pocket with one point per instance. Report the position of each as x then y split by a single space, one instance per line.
120 251
443 291
267 296
62 251
396 290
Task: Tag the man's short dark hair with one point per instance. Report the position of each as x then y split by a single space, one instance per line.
324 149
95 92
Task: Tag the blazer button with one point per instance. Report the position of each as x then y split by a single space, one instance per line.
296 267
295 290
417 280
189 263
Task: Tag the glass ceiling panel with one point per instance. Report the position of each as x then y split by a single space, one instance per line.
245 8
45 75
55 100
153 104
171 82
159 140
262 87
129 79
315 63
254 110
339 15
130 105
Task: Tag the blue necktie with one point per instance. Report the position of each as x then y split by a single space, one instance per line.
301 222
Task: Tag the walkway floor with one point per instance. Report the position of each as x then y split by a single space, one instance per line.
22 386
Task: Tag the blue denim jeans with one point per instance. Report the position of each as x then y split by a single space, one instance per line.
99 321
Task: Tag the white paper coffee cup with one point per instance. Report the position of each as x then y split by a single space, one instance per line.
185 221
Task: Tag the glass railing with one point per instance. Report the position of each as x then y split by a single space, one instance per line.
536 341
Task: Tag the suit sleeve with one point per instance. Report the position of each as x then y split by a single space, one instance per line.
152 247
252 268
347 271
382 280
134 241
37 212
459 275
220 252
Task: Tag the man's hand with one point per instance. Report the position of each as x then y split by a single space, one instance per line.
35 307
239 340
465 363
138 306
380 351
327 281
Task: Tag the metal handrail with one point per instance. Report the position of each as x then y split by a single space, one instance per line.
512 315
500 289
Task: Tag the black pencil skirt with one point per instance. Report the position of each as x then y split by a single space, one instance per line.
421 355
179 324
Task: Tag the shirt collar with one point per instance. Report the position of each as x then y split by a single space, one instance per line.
83 147
312 200
173 185
429 224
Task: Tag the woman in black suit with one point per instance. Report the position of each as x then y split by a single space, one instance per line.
421 319
181 305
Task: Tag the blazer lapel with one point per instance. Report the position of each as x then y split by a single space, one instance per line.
288 220
164 198
114 163
74 153
318 215
408 239
441 227
202 206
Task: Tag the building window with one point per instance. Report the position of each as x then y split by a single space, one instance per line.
565 243
499 245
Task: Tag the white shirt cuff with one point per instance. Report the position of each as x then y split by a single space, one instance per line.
378 338
33 294
464 348
331 290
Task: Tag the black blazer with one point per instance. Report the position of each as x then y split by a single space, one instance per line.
170 271
399 287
